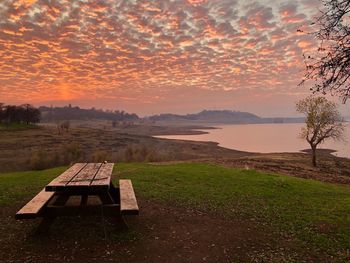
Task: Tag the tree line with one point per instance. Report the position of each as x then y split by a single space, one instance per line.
28 114
70 112
25 113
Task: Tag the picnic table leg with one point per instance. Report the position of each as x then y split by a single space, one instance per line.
48 219
61 199
45 224
114 193
106 198
84 199
112 197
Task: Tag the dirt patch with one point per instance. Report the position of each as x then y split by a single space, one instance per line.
161 233
330 168
323 227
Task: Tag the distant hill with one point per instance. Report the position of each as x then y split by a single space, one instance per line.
223 117
75 113
50 114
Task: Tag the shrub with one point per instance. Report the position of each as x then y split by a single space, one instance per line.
40 160
100 156
141 153
128 154
71 153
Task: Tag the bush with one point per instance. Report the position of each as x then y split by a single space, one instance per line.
38 161
71 153
100 156
128 154
140 154
41 160
65 155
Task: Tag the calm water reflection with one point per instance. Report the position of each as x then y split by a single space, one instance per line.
265 138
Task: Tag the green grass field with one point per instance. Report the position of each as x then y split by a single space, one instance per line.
316 214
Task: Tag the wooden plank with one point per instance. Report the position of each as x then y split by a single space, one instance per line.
103 176
85 176
128 203
60 182
34 206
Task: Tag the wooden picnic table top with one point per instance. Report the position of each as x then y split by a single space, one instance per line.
83 176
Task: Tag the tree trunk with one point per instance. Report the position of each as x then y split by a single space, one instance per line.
313 148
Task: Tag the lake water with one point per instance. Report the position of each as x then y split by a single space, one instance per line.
265 138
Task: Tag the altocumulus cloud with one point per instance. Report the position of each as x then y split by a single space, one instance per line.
141 51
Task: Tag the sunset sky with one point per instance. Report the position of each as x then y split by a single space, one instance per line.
149 57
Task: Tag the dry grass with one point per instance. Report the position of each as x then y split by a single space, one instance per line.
45 147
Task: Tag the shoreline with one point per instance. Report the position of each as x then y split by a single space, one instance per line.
193 131
320 151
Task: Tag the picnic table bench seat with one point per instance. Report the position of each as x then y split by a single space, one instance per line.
33 207
128 203
85 180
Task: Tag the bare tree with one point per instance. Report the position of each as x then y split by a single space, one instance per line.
329 66
323 121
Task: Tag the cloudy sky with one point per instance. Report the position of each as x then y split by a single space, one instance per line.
156 56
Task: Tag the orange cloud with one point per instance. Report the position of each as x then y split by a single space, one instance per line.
133 49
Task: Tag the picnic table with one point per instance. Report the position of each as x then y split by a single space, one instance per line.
91 182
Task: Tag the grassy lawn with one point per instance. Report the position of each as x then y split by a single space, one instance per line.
20 186
315 213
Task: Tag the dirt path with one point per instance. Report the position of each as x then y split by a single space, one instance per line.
161 233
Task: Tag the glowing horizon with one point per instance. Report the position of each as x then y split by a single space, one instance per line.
155 56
